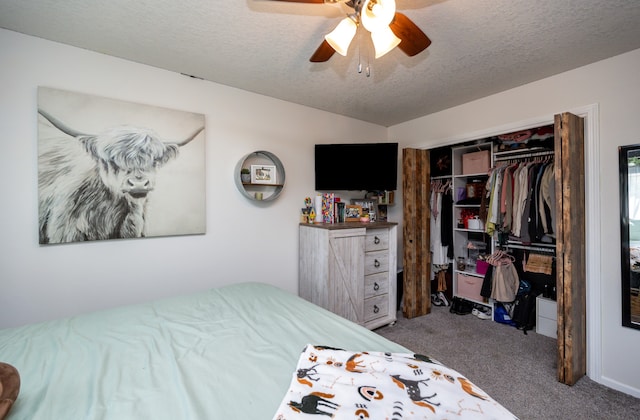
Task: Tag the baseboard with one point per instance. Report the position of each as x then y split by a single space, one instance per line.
613 384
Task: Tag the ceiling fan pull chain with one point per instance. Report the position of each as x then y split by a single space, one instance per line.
368 69
359 51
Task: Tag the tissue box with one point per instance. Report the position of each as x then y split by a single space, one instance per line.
475 162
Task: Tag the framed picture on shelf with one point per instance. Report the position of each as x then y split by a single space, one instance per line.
263 174
382 212
353 213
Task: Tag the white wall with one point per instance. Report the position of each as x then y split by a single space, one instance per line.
244 240
614 87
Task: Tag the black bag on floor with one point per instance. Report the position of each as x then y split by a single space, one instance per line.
524 311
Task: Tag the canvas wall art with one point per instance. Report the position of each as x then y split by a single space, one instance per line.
111 169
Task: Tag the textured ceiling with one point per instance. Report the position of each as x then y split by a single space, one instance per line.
480 47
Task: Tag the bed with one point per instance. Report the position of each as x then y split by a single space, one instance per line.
228 353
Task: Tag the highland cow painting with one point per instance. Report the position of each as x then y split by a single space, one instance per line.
109 169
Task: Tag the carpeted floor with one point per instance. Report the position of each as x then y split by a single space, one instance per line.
517 370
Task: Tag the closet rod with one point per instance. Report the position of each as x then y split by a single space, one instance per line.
523 155
531 248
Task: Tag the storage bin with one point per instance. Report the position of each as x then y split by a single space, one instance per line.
469 287
547 327
475 224
546 317
475 162
482 267
475 189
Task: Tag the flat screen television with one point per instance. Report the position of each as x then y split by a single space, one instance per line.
356 166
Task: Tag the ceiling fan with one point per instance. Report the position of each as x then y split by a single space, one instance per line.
388 29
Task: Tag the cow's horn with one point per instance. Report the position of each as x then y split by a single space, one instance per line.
188 139
60 125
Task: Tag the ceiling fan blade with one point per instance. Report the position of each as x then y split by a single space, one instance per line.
323 53
413 39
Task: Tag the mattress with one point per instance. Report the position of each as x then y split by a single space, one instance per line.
227 353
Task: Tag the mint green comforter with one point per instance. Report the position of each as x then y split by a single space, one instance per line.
227 353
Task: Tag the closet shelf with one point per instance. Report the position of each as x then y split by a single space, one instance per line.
467 206
468 230
480 174
522 154
470 273
535 246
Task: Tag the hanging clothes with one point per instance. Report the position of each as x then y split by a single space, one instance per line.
547 203
522 201
485 289
493 209
439 251
525 218
506 199
520 194
505 283
446 223
504 277
537 268
537 227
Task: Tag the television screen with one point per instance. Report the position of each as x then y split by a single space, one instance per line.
357 166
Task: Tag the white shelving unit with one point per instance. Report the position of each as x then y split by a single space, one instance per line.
466 281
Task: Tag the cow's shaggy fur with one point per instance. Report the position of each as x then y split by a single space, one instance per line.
95 187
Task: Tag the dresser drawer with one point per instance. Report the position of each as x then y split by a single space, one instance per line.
376 307
376 284
376 262
376 239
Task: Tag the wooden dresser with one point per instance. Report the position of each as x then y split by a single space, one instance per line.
350 269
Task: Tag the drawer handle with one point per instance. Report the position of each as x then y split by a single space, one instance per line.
376 263
376 309
376 240
376 286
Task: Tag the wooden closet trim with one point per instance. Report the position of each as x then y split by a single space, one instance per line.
416 175
570 247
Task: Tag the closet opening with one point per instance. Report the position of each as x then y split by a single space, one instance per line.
501 232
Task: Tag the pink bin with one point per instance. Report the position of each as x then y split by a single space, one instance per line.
481 267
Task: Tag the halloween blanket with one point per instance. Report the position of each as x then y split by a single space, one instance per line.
341 384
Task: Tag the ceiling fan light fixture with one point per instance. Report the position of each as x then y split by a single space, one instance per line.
377 14
384 40
340 38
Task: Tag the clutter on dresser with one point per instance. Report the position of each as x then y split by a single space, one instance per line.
328 208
